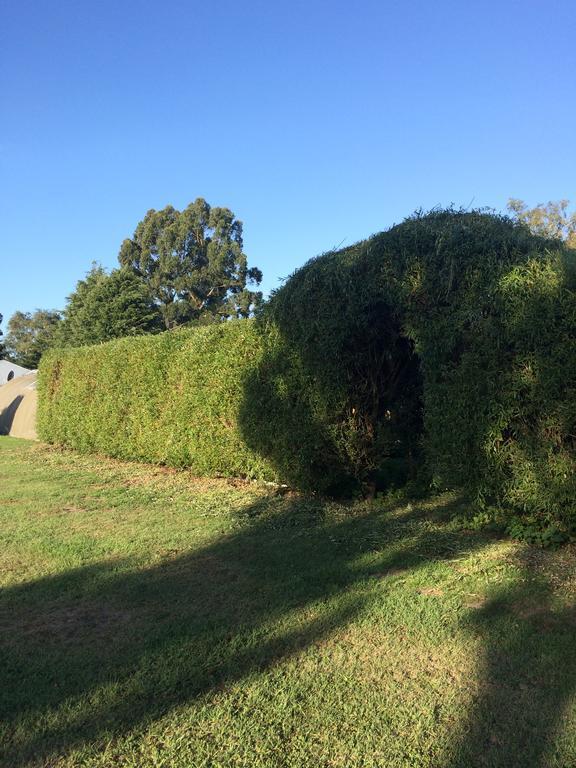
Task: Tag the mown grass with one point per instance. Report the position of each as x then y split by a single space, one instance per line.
148 618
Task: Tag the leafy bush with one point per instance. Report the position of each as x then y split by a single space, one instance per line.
187 398
491 309
363 377
536 532
443 348
171 398
448 340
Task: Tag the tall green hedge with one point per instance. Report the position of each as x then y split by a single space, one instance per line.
193 398
347 336
451 339
491 310
171 398
443 348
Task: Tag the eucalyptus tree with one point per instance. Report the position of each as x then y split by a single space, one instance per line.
193 263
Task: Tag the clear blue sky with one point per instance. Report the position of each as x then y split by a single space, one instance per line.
315 122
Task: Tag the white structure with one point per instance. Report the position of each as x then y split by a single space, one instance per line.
9 371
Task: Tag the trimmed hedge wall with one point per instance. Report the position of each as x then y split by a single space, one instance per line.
491 310
171 398
224 400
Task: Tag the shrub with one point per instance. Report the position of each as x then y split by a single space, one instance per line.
363 377
443 348
491 310
448 341
187 398
171 398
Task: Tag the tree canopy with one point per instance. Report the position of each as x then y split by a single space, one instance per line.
107 306
550 220
193 263
30 334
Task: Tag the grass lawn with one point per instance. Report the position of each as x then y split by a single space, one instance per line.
148 618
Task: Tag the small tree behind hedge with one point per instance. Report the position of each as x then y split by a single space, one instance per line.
108 306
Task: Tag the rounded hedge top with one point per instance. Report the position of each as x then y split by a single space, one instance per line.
443 348
444 305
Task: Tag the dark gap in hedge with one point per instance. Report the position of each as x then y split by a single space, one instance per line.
442 349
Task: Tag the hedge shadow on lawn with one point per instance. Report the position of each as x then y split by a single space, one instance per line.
527 675
96 652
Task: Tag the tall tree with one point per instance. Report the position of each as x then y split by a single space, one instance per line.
193 263
107 306
550 220
30 334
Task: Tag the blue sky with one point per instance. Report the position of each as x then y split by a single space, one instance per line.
315 122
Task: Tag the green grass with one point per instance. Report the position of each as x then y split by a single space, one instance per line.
148 618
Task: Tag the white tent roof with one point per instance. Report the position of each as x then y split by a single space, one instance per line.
6 367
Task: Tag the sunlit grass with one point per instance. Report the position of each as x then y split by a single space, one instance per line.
148 618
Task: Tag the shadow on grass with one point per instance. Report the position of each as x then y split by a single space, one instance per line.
99 650
527 672
94 652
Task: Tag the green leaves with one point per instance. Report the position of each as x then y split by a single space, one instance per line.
108 306
193 263
172 398
30 334
462 326
443 348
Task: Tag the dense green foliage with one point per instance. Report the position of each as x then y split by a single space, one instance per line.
174 398
170 398
442 349
30 334
550 220
108 306
489 312
347 337
190 398
193 263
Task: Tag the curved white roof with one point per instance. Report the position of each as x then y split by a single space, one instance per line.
6 367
